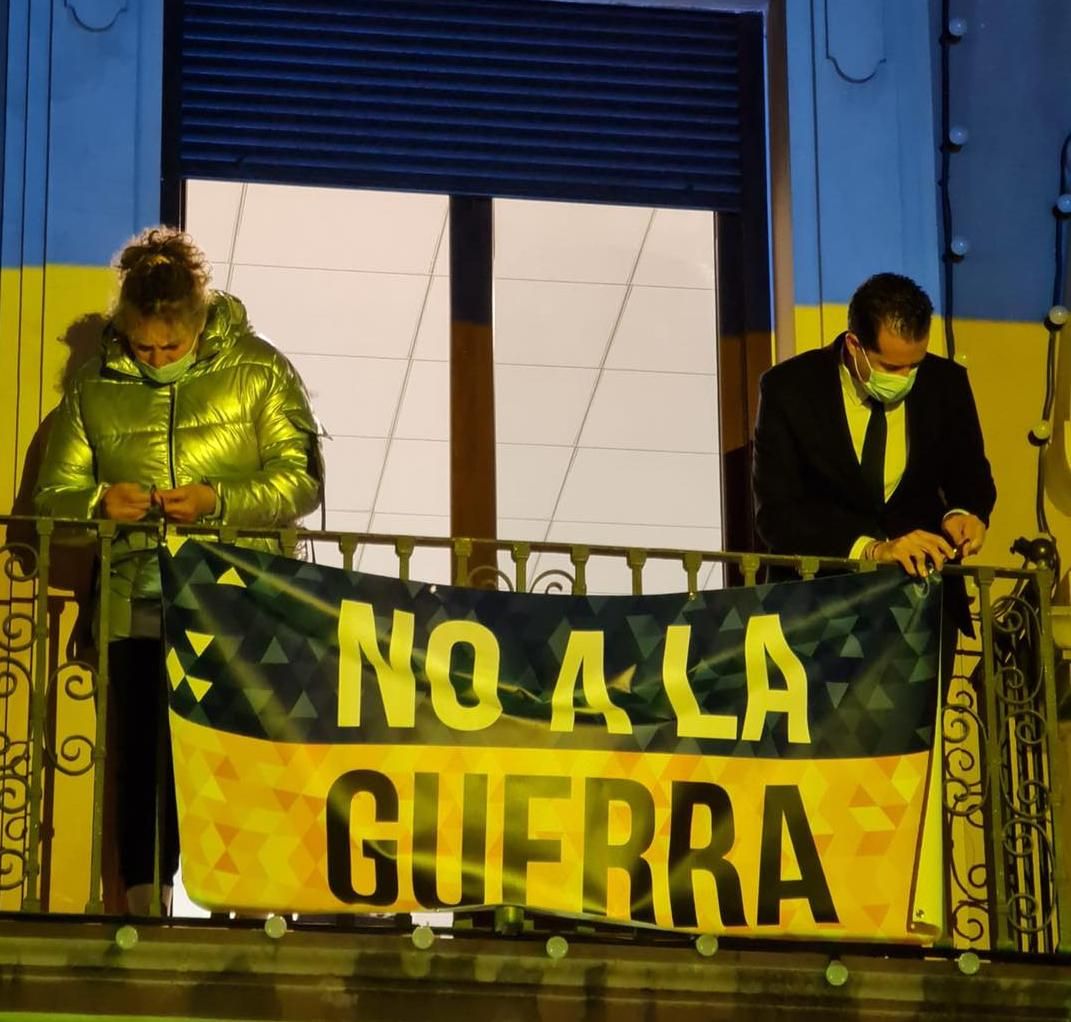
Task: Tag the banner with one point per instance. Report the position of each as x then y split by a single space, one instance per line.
749 761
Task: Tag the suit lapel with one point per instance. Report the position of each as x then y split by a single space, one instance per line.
837 438
916 407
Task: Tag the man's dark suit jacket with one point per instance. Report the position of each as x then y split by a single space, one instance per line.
808 484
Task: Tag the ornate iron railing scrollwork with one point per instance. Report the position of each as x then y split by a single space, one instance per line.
12 867
15 828
16 636
485 575
964 785
20 562
1022 726
18 632
14 807
969 916
73 755
553 586
1030 912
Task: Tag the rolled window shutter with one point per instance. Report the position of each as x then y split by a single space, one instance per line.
522 98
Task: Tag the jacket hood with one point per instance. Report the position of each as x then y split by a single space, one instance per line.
227 319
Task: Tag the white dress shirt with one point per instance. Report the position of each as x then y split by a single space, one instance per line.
857 409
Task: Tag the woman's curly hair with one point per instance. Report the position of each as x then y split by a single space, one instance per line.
162 274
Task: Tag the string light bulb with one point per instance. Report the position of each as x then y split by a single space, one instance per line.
959 247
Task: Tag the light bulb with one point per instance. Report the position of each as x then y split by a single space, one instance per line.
706 944
557 947
423 937
960 246
968 963
958 135
1041 431
836 973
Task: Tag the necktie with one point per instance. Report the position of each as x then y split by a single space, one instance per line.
872 461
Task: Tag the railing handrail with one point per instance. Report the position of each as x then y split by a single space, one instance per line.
806 564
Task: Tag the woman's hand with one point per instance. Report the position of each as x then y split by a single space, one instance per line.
187 503
125 502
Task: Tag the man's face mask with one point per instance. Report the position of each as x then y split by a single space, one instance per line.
888 388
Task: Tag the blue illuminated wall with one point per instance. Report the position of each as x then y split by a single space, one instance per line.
1011 90
83 128
865 116
862 159
80 173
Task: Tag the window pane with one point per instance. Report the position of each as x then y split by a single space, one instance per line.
353 287
606 389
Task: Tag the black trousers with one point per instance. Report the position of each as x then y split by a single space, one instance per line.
138 687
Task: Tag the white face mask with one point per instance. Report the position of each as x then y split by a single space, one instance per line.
172 371
888 388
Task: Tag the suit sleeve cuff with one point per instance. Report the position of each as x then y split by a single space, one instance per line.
859 546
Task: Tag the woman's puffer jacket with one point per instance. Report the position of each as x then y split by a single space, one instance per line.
238 419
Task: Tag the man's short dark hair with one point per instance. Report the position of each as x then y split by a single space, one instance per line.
893 301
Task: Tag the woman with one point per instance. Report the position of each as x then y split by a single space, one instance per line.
188 415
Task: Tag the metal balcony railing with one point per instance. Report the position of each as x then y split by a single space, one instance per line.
1007 823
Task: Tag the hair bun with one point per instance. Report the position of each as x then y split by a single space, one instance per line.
162 273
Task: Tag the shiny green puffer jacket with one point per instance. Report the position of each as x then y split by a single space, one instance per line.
238 419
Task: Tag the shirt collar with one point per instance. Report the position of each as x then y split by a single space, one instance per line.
853 389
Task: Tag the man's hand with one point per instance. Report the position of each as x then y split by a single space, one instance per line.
187 503
916 552
966 531
125 502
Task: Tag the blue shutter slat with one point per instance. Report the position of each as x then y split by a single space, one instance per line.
563 84
339 154
440 106
525 181
478 16
402 35
566 99
446 133
528 98
539 66
490 154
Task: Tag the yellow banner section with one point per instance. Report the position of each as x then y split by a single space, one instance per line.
706 844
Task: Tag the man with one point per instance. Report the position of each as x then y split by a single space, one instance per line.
871 448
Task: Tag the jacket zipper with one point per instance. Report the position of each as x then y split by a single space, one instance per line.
171 438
